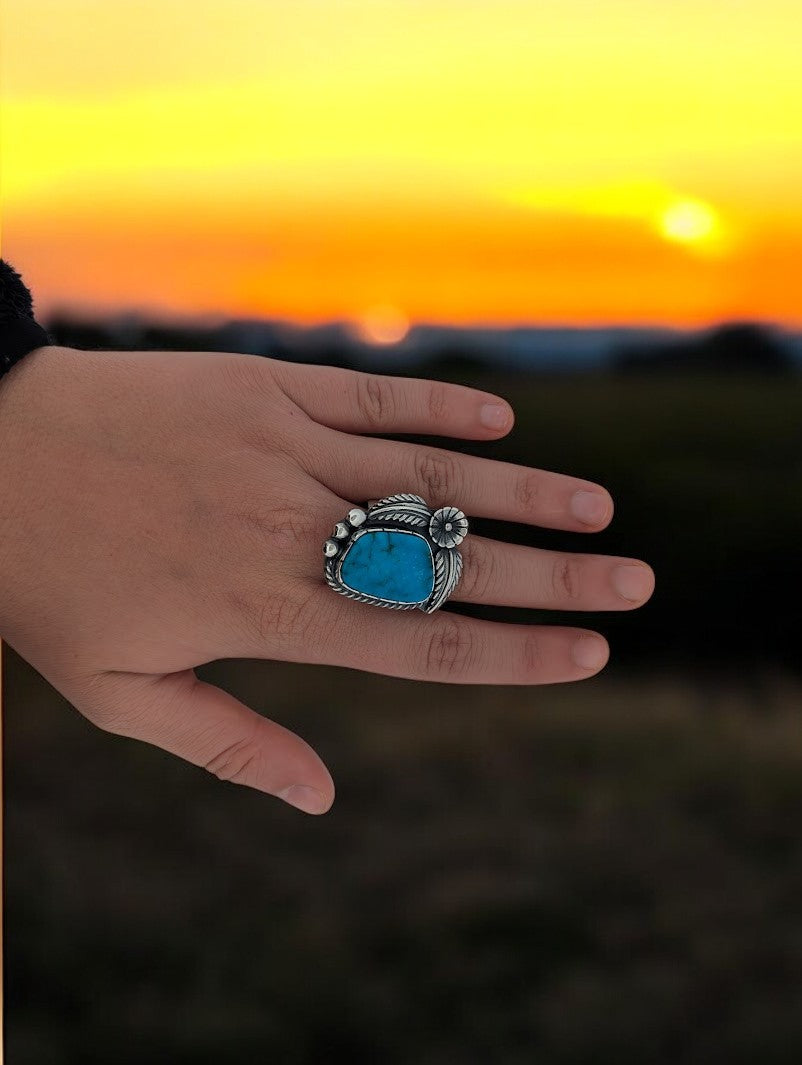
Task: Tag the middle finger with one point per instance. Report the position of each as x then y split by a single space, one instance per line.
363 468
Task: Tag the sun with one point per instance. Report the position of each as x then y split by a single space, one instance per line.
382 325
686 221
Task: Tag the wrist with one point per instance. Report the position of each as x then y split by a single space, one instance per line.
25 420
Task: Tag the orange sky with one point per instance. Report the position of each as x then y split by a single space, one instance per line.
565 161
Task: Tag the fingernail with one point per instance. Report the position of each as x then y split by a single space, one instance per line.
590 507
310 800
633 583
590 652
494 415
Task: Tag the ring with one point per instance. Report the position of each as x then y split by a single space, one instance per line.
398 553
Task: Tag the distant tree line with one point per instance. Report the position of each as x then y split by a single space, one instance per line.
733 347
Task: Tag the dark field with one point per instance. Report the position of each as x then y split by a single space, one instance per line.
604 872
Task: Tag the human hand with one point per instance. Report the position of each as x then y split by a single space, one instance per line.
161 510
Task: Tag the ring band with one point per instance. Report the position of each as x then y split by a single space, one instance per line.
398 553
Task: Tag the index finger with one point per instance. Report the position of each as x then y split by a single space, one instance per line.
357 402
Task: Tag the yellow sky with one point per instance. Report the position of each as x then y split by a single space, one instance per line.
487 160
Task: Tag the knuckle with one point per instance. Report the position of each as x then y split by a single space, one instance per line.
531 655
238 762
247 386
527 490
284 527
438 474
565 578
289 525
375 400
268 617
282 617
437 401
245 374
449 649
479 572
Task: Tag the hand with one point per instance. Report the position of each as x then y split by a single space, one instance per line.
161 510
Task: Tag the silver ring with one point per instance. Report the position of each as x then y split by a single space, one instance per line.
398 553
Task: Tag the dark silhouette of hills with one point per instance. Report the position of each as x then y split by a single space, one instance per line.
736 347
742 347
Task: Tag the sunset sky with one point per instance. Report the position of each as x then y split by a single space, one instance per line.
391 161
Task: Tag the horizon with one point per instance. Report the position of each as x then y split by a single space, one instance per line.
201 320
750 346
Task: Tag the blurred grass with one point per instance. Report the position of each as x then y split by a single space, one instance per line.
604 872
706 474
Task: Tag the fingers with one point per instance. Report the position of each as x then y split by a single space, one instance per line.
511 575
365 468
372 403
208 727
450 648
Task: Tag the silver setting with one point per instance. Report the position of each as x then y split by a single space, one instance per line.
443 530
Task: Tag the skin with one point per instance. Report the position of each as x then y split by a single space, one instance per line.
162 510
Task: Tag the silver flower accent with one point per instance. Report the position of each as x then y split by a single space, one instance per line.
448 527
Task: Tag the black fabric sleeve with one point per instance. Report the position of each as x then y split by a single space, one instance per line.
19 330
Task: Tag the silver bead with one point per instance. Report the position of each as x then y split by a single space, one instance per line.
341 530
356 516
330 549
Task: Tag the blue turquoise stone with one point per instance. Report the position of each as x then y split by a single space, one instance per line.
389 565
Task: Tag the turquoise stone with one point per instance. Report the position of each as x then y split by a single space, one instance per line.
389 565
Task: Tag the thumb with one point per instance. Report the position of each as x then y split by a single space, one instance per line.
210 728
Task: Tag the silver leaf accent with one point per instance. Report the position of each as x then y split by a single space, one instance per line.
447 572
400 497
406 515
